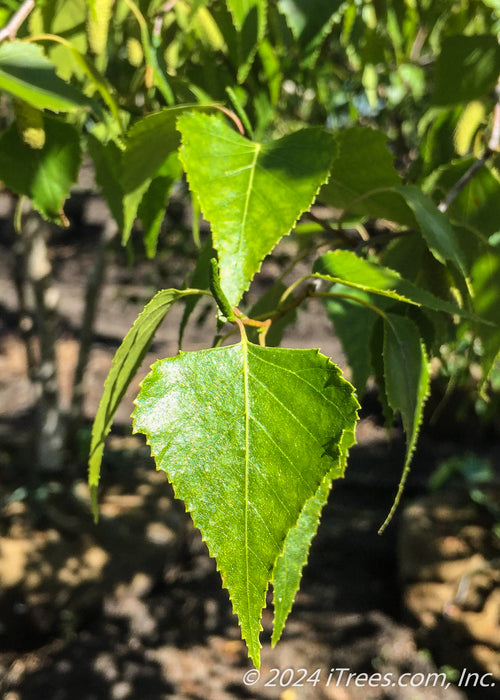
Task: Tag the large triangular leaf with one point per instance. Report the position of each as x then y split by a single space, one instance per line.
44 175
406 371
246 434
26 73
289 567
251 193
347 268
126 362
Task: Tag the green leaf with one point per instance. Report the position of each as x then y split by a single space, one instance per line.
108 162
353 323
107 159
485 274
435 226
151 210
376 350
363 177
477 205
347 268
126 174
64 19
149 143
249 17
44 175
310 22
251 193
126 362
27 74
246 434
288 570
407 383
467 68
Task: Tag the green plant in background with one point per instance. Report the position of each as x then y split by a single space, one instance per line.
387 112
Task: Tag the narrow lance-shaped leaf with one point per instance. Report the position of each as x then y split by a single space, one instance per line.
251 193
347 268
126 362
249 17
289 567
406 382
246 434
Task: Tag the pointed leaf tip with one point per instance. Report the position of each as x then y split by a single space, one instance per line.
246 187
241 432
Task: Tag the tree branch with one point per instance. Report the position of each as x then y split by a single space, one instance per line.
12 27
466 178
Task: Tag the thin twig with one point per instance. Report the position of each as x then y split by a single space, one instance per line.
466 178
337 232
12 27
494 142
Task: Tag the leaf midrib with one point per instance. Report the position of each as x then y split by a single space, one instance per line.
247 197
244 347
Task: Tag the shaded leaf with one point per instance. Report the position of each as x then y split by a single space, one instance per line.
361 168
477 205
26 73
406 382
249 17
485 274
251 193
310 22
467 68
44 175
435 226
151 210
126 362
246 434
353 323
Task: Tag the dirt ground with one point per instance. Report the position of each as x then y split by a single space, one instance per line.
133 607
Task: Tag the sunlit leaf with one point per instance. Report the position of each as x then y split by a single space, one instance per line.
251 193
246 434
126 362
